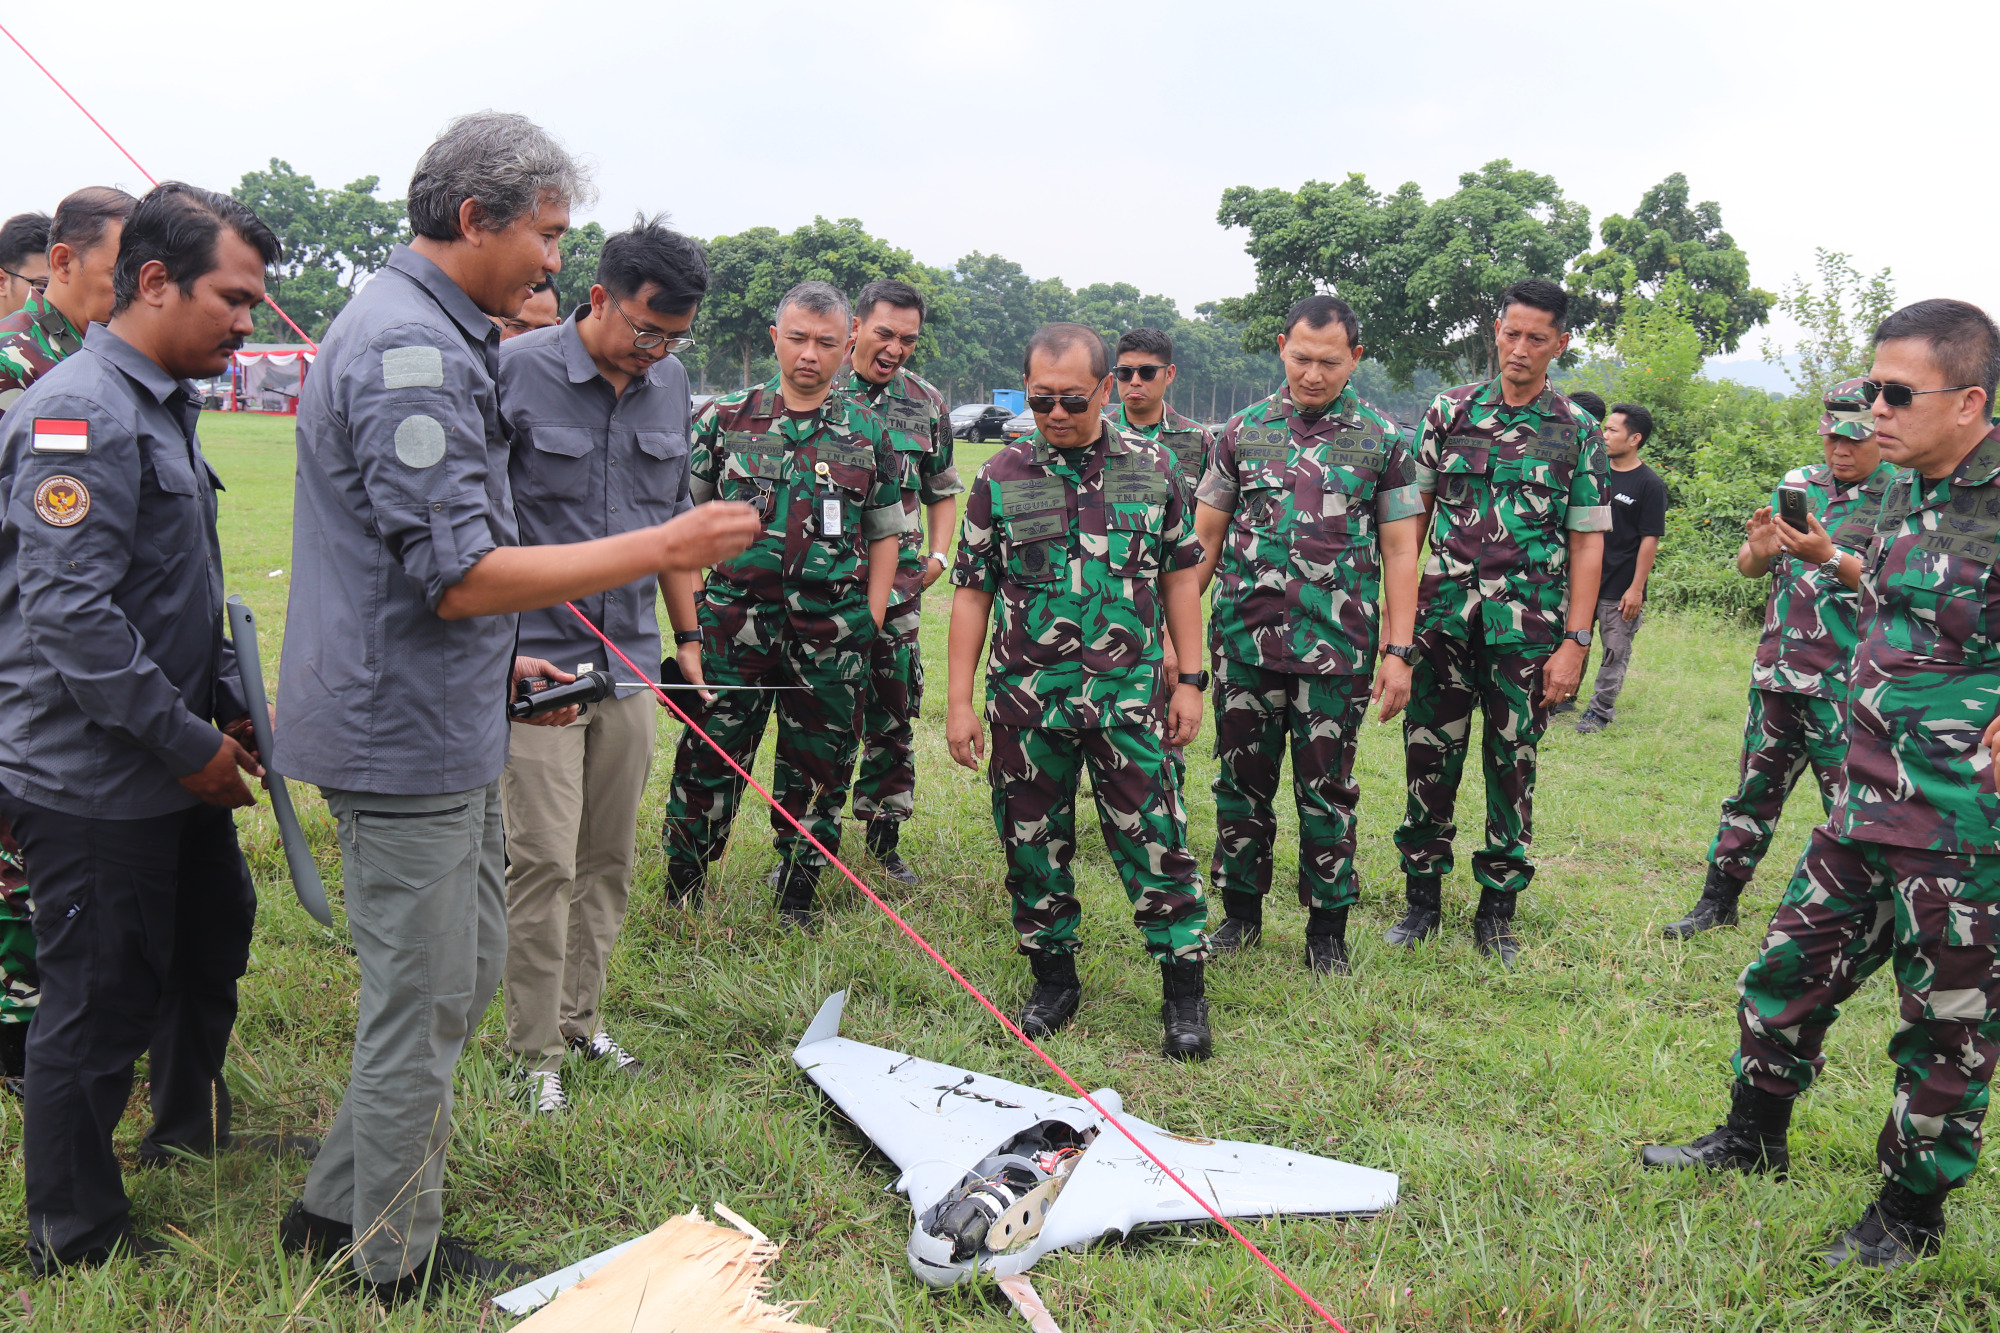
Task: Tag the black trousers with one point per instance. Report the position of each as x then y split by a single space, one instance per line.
142 929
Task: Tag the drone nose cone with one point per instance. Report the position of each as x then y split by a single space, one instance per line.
1109 1100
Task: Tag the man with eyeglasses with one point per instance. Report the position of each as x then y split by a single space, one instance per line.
799 610
542 310
1145 370
24 259
598 407
1514 477
49 326
1311 518
888 321
1078 544
1798 684
1906 869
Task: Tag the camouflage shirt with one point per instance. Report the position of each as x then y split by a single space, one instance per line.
1188 441
747 447
1926 677
32 340
1809 628
919 427
1511 483
1072 544
1299 581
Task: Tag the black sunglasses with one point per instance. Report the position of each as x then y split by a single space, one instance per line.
39 284
1900 395
1146 373
1072 403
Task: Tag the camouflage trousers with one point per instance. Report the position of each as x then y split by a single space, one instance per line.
885 786
1258 714
819 734
1785 733
1851 907
1451 677
20 983
1034 772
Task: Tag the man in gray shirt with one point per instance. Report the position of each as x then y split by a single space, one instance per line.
598 408
114 676
399 649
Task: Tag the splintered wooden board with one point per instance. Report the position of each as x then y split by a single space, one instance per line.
689 1276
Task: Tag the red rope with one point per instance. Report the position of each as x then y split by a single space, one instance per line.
135 162
955 975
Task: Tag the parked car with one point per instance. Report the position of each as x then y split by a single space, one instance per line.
978 421
1016 427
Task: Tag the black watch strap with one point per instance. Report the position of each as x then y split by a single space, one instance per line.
1198 679
687 636
1406 651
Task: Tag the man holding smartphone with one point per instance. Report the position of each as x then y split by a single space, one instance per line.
1800 676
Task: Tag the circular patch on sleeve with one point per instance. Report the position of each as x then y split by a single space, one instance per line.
420 441
62 501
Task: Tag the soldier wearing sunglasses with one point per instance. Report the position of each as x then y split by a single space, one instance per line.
1906 869
1145 370
24 259
1079 546
83 248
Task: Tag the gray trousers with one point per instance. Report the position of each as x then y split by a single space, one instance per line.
427 911
1616 633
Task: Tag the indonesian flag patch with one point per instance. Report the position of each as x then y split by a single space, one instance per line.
60 435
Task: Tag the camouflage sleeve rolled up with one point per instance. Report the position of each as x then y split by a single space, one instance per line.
885 514
1218 488
704 462
1177 539
937 472
1397 494
1590 484
1431 433
978 563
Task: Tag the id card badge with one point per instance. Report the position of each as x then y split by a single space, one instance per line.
829 516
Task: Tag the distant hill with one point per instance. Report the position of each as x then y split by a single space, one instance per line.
1753 371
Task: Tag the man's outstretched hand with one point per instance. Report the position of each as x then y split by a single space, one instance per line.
708 534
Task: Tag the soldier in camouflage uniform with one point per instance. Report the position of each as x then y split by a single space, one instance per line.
20 983
1077 542
1309 507
1906 870
1799 680
888 320
1145 371
802 606
83 249
1517 476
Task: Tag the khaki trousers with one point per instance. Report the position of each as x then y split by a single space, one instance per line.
572 803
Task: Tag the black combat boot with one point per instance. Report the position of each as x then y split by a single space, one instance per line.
13 1056
1326 941
1421 892
684 883
1751 1140
883 834
1056 995
795 897
1493 926
307 1233
1242 923
1898 1228
1715 907
1184 1010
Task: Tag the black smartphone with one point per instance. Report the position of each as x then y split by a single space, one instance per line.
1792 508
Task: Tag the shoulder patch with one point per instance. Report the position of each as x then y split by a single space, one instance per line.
412 368
420 441
61 502
61 435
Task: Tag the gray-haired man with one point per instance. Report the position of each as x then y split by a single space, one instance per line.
399 651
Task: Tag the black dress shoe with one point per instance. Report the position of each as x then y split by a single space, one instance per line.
304 1232
450 1264
1184 1011
1053 1002
132 1245
1752 1140
1423 893
1898 1228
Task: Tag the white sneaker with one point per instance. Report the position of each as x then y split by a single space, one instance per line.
601 1047
545 1086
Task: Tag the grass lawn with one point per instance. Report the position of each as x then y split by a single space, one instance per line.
1511 1104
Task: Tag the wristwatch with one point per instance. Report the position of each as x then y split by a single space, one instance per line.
1198 679
1406 651
940 558
687 636
1581 636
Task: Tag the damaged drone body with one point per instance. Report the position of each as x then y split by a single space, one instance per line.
999 1174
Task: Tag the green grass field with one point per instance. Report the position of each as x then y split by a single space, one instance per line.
1511 1104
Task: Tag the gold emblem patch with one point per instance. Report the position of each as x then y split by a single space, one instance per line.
62 501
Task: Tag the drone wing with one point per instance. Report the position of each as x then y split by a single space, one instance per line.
934 1121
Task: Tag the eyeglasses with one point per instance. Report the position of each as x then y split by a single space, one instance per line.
1072 403
1900 395
1146 373
39 284
646 342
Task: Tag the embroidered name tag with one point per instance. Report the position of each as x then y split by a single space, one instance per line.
1027 495
1037 527
59 435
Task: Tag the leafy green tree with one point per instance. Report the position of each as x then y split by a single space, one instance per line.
995 306
581 248
746 276
1667 238
1837 316
331 241
1425 279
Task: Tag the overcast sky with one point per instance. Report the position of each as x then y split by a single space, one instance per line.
1088 141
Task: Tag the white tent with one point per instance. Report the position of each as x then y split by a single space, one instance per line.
267 377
